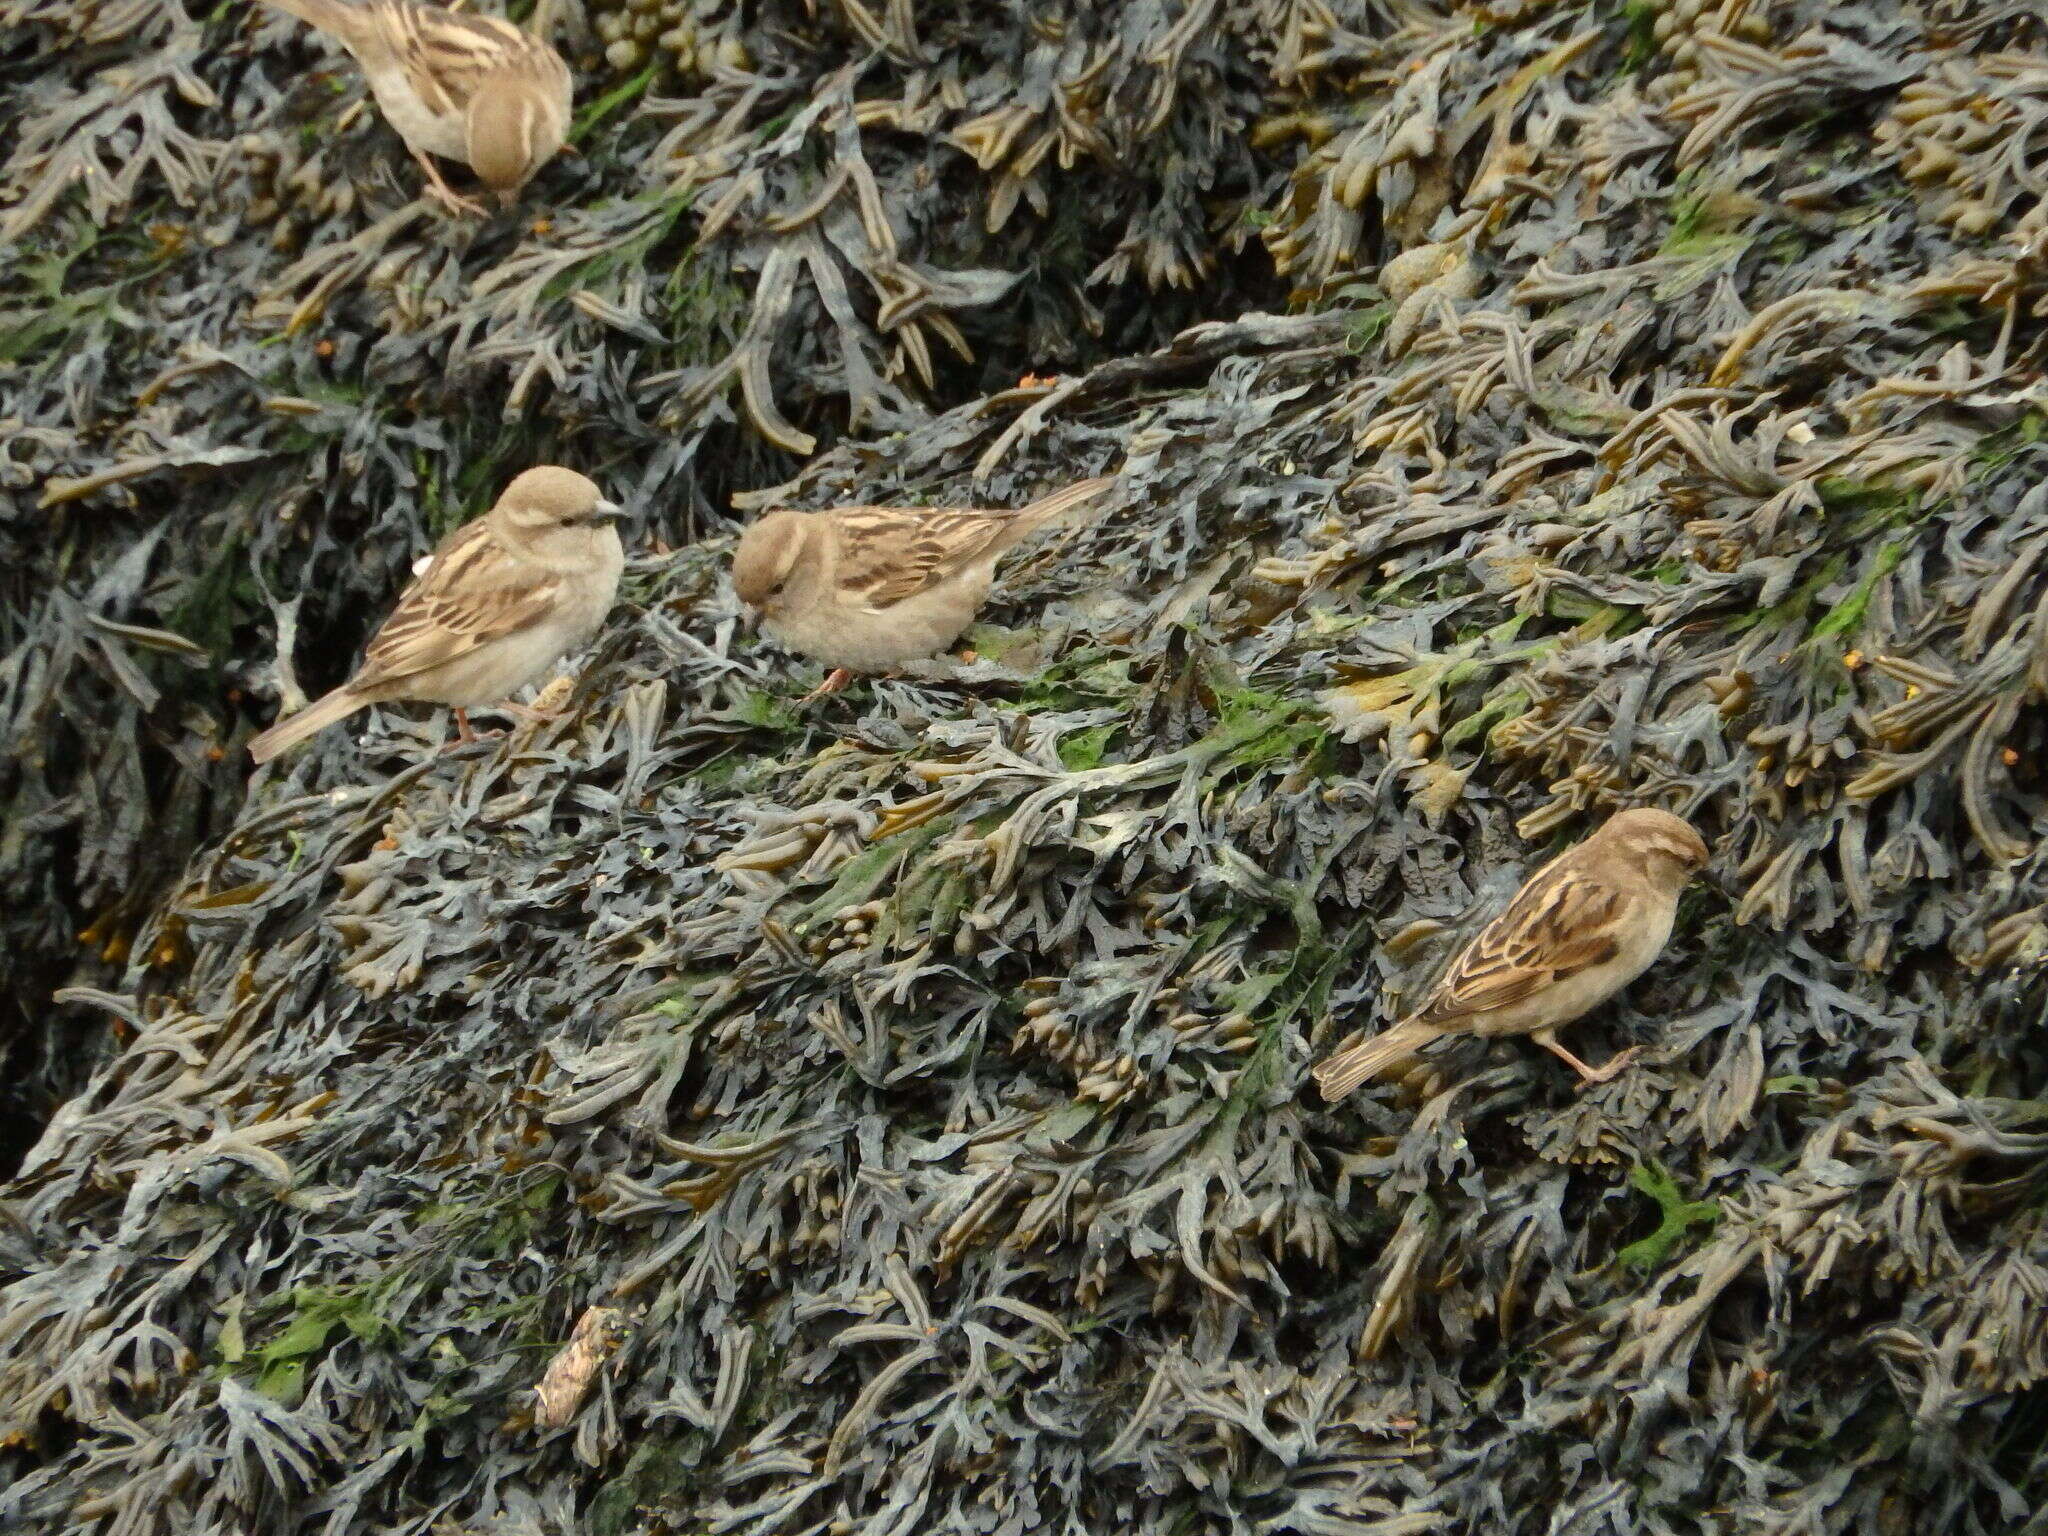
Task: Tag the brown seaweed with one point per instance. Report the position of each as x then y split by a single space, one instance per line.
890 1115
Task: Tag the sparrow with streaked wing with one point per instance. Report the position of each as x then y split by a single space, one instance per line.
469 88
865 589
1580 929
502 599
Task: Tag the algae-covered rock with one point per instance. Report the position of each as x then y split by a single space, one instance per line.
891 1114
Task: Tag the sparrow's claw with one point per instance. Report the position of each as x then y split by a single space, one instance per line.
455 203
835 680
1588 1076
1615 1066
468 735
445 195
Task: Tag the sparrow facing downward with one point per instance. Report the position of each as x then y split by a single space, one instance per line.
469 88
1581 928
865 589
501 600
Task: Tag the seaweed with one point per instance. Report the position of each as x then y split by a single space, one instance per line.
694 1111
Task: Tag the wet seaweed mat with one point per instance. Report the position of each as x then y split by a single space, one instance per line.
248 375
894 1116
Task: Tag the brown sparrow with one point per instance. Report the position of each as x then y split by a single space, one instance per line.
503 599
469 88
1581 928
865 589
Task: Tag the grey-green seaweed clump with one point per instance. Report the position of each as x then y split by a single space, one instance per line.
247 377
922 1079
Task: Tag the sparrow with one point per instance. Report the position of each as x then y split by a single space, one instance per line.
470 88
865 589
1581 928
501 600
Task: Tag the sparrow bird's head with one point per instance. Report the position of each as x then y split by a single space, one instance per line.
555 513
1663 846
764 566
513 130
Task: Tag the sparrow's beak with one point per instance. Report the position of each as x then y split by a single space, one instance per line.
606 510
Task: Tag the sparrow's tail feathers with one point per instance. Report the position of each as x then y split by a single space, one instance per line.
1351 1064
316 716
1044 510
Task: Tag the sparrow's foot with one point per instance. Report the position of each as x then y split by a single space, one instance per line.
445 195
1615 1066
1588 1076
466 734
835 680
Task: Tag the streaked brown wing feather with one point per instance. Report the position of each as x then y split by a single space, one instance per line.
447 54
1560 923
887 554
472 593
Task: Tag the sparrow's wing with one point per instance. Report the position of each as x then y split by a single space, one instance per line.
887 554
1559 924
445 54
472 593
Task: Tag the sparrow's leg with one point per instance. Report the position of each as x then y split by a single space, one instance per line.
444 194
1547 1038
835 680
462 726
